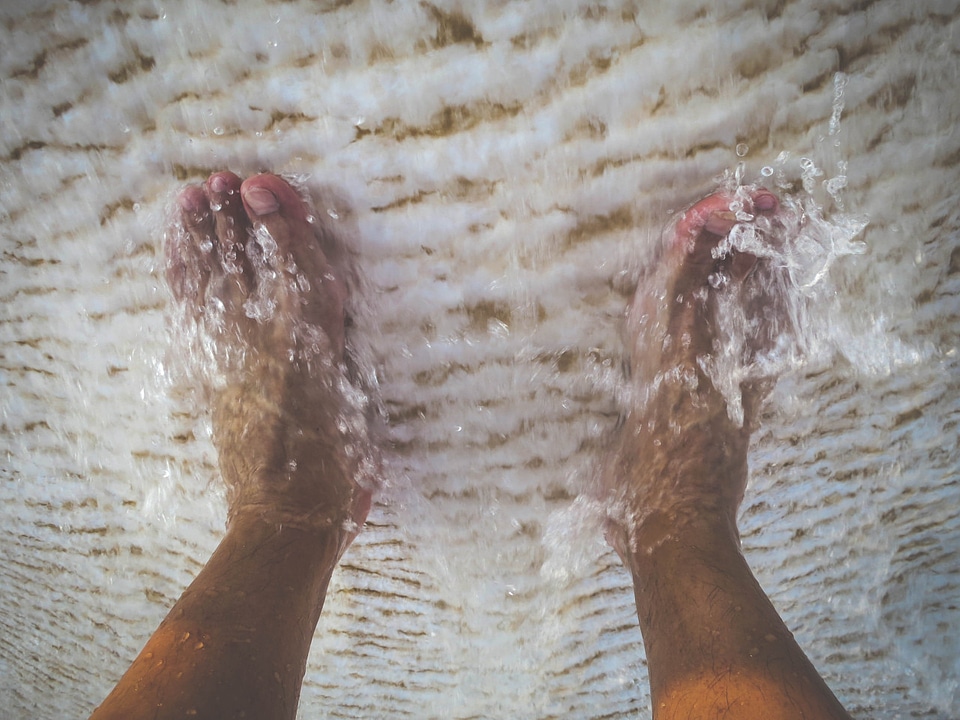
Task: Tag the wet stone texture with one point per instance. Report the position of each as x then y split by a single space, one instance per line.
501 171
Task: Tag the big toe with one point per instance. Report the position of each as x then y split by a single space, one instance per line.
290 233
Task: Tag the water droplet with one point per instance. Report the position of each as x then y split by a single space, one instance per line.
218 130
333 213
742 150
266 241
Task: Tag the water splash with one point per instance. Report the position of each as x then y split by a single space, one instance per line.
257 313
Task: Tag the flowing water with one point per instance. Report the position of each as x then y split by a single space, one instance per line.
502 172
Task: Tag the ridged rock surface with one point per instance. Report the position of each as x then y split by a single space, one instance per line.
502 170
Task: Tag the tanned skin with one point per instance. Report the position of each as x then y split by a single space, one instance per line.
235 644
715 645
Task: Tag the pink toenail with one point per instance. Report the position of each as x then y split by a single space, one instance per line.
261 201
189 202
765 201
218 184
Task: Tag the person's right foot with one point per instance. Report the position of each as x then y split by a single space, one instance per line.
253 274
679 456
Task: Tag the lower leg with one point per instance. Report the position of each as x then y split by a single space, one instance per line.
715 645
236 642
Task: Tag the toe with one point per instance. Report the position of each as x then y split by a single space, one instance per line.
231 225
274 205
187 246
271 203
195 213
765 202
700 228
267 195
223 192
712 214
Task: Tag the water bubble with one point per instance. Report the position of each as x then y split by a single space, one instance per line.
260 308
834 186
742 150
333 213
839 84
266 241
230 263
216 207
809 171
218 130
311 219
766 171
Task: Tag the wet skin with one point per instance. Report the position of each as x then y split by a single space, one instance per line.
715 645
236 642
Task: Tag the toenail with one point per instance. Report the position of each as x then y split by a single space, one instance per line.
261 201
189 202
218 184
765 201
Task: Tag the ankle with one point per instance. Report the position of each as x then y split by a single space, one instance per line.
694 531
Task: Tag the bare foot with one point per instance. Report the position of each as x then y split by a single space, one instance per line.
253 276
681 455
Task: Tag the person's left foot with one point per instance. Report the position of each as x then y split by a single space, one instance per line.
680 456
250 269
